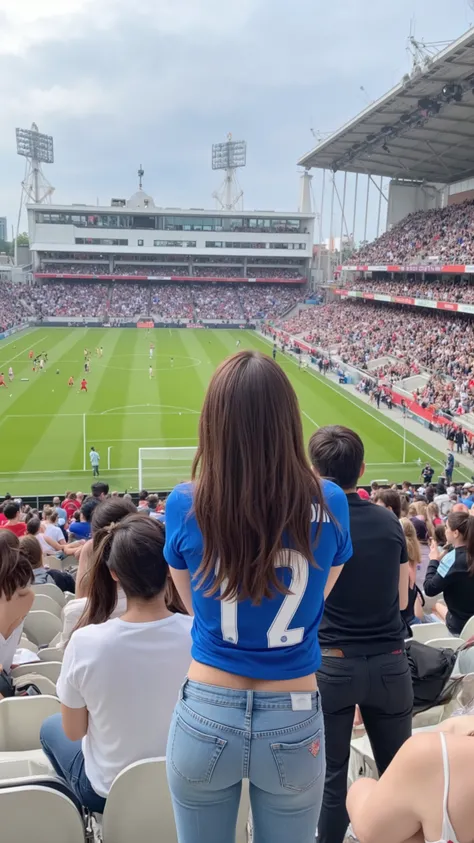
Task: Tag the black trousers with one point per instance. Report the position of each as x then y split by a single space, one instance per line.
382 687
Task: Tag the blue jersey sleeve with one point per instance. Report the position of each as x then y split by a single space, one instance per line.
337 503
176 511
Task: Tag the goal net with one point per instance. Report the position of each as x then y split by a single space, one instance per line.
160 469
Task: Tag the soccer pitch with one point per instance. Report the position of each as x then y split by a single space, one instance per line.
43 421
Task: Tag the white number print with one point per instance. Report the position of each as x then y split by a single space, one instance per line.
278 634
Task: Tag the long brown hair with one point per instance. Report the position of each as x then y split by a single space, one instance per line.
253 482
15 569
464 524
133 550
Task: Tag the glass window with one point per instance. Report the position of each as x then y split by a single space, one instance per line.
139 242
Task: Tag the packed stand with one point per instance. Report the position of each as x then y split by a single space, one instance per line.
277 272
129 301
445 234
454 291
216 302
172 301
360 332
219 272
12 310
83 269
268 301
58 299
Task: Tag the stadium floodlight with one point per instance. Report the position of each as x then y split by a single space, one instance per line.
229 156
33 144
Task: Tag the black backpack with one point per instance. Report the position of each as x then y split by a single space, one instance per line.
430 672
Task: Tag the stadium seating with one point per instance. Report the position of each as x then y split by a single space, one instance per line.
51 590
33 811
43 602
441 643
50 670
139 803
425 632
41 627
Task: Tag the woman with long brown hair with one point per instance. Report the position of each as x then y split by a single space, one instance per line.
253 543
453 573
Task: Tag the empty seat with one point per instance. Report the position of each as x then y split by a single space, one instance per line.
424 632
468 630
51 590
51 654
41 627
39 813
43 602
139 806
441 643
21 719
50 670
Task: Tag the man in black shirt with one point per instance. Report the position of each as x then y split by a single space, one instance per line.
361 634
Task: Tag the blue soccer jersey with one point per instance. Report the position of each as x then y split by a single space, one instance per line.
277 639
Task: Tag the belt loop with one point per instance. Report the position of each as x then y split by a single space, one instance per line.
249 707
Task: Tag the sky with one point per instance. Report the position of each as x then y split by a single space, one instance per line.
157 82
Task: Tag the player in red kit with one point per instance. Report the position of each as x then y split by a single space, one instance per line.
83 385
30 355
2 379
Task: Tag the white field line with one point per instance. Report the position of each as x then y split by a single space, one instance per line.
20 353
327 383
310 419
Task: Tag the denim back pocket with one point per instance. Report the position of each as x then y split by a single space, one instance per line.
299 764
194 754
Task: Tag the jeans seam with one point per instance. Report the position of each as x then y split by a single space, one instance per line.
211 723
289 730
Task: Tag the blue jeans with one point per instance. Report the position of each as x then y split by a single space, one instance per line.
220 736
68 761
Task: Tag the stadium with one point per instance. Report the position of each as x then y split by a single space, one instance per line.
129 335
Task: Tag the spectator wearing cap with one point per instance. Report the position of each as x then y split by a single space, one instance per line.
361 632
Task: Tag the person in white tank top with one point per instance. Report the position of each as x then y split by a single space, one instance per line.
425 796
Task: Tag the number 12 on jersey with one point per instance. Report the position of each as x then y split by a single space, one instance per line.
278 634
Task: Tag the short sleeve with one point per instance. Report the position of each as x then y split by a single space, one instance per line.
67 685
404 550
174 530
340 511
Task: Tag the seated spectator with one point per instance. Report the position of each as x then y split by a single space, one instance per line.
62 514
50 526
424 794
81 529
414 611
143 502
31 547
63 580
452 573
16 595
14 522
70 504
100 490
121 676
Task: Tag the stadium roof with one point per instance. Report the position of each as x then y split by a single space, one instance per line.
421 130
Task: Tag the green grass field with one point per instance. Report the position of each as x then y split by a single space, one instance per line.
42 420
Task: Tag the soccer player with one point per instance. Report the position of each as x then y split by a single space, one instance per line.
70 381
237 344
274 352
30 355
41 364
171 362
150 372
2 379
101 351
85 353
83 385
87 366
152 349
10 374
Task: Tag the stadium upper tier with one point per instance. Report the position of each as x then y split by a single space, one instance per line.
138 240
439 240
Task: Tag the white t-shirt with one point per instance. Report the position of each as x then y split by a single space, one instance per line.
8 647
73 611
45 547
444 504
54 532
128 676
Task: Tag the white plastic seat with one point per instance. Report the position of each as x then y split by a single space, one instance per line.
51 654
468 630
139 806
44 603
51 590
33 812
41 627
50 670
26 644
21 719
441 643
424 632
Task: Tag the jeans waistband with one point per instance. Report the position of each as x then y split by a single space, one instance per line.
257 700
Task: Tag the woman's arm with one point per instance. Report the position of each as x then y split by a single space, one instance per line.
332 579
85 562
52 542
403 584
182 581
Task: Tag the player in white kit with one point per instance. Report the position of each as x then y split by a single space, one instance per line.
10 374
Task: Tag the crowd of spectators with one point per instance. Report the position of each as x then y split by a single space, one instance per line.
268 301
172 301
82 269
442 235
276 272
62 299
129 301
173 266
452 291
361 332
12 309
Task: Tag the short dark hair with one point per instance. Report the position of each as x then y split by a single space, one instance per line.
11 510
153 501
391 500
99 488
143 495
337 453
88 507
33 526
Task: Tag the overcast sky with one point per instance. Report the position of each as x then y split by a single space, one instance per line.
120 83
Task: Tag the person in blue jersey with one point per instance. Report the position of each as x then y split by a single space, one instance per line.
254 543
452 573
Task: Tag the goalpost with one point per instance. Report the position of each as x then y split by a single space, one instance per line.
163 468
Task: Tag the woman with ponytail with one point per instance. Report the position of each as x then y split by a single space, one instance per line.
453 572
120 677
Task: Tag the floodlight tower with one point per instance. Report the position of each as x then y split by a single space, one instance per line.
37 149
229 156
